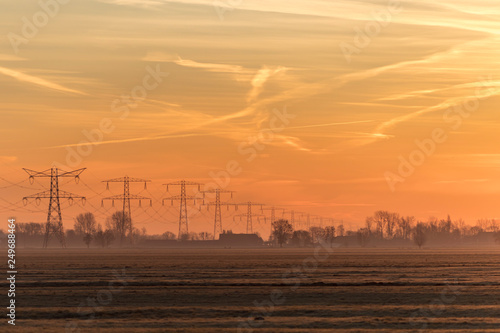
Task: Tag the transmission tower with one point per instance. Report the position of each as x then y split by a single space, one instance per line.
273 215
300 218
249 215
217 204
126 197
54 219
292 216
330 222
183 198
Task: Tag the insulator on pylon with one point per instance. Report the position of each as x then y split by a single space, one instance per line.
37 200
102 203
32 180
150 203
237 207
77 179
107 186
145 185
112 203
140 203
172 203
25 201
70 200
84 201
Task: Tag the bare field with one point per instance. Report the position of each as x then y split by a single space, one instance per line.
271 290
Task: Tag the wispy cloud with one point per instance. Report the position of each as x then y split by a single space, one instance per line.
440 106
37 81
260 79
146 138
332 124
210 67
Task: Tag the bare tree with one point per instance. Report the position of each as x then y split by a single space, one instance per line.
85 225
282 230
205 235
404 226
121 224
419 236
330 234
340 230
168 235
104 238
301 238
317 234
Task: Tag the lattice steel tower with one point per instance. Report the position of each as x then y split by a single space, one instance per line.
249 215
183 198
126 196
54 218
217 204
273 215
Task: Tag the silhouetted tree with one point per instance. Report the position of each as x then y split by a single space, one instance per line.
317 234
282 230
120 224
85 225
104 238
329 233
205 235
419 236
301 238
168 235
340 230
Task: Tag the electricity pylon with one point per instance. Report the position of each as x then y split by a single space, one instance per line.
249 215
330 222
292 216
54 218
183 198
273 215
318 219
217 204
126 197
300 218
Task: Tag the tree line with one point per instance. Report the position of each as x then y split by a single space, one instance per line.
381 228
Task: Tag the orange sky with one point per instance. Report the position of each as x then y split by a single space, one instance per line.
100 67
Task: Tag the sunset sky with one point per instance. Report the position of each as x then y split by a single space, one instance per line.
232 66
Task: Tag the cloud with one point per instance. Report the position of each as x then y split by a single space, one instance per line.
37 81
260 79
454 101
146 138
210 67
332 124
